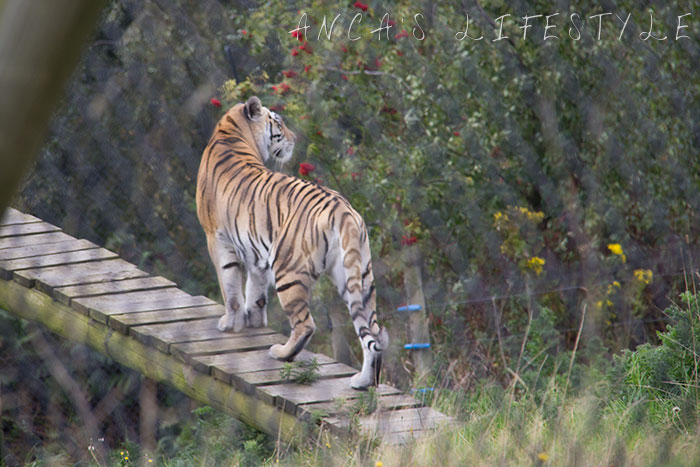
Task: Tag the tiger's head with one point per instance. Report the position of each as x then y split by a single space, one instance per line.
274 140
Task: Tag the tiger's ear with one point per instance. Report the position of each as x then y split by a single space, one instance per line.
253 108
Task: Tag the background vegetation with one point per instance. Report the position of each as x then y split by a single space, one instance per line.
551 188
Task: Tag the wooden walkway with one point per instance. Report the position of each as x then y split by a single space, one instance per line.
89 295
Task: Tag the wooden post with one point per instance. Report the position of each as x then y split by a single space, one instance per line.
418 332
148 418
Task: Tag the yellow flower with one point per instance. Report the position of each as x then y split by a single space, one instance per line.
536 263
611 287
378 464
643 275
535 216
328 445
498 219
616 249
543 456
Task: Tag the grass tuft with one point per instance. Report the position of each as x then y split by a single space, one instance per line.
302 372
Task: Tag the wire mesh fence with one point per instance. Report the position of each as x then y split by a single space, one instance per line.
537 177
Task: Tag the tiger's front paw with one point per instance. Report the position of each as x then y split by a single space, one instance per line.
257 318
231 321
277 352
225 323
361 382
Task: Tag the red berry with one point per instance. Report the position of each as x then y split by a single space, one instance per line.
306 168
360 5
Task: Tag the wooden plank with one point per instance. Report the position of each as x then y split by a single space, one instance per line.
122 323
26 229
46 279
227 367
72 257
114 301
38 239
45 249
65 294
269 377
235 343
13 216
102 313
393 425
343 408
162 336
404 437
393 421
290 396
397 401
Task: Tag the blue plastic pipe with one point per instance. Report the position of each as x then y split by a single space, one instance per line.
416 346
409 308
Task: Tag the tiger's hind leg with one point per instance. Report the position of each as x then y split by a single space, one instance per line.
356 286
294 293
229 271
256 299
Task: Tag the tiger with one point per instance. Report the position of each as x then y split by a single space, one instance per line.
284 231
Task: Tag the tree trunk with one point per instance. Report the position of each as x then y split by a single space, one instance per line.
40 43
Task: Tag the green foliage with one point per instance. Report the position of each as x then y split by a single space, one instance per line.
300 372
662 380
214 438
512 165
366 403
127 455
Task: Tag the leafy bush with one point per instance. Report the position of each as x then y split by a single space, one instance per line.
662 381
215 438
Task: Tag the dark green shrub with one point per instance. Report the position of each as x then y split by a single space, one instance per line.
662 381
